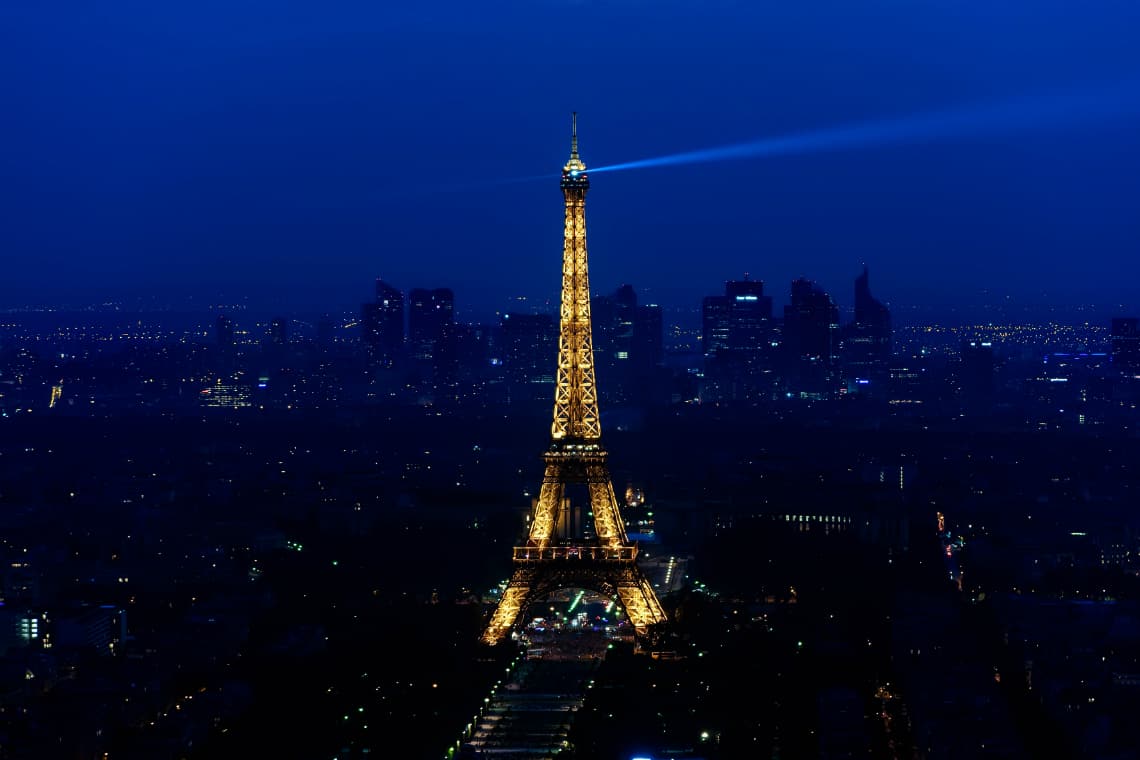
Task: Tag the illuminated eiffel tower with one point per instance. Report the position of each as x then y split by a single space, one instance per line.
558 553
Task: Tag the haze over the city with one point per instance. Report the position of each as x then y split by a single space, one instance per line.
287 154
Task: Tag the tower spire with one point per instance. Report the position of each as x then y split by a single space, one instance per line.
574 135
574 168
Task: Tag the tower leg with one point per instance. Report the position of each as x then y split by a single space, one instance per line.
507 612
640 603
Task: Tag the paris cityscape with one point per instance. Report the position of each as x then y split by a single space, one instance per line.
324 433
874 539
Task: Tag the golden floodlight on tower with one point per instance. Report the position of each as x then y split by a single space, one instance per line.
559 553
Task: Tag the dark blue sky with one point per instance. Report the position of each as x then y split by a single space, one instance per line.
291 152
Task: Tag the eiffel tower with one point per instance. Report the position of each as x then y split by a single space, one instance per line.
557 555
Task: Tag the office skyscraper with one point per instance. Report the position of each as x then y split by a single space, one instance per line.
382 325
867 343
715 316
810 340
528 342
430 314
614 317
740 320
737 333
628 346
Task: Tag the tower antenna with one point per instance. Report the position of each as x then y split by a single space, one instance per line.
573 134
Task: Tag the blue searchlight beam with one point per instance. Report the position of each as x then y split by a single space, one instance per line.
1021 114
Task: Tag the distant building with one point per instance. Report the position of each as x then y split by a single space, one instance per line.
461 362
810 341
1126 345
906 382
715 321
648 338
430 314
628 341
976 376
528 351
21 628
225 393
612 317
224 332
750 313
739 338
740 320
866 352
382 325
97 629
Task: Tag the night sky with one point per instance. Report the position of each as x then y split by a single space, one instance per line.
288 153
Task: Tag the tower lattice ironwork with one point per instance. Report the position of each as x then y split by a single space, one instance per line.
557 555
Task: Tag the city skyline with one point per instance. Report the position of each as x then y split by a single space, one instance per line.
290 158
325 433
994 311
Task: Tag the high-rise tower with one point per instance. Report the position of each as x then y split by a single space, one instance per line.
739 338
811 344
866 347
431 313
562 550
382 325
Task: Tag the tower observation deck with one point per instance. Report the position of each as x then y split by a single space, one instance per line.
557 556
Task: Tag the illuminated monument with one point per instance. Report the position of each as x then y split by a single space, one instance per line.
563 550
